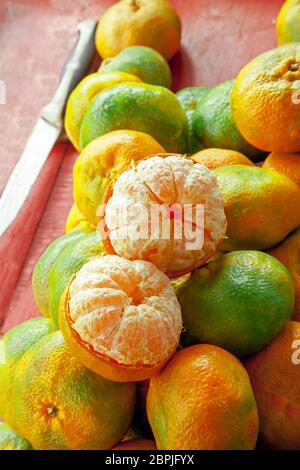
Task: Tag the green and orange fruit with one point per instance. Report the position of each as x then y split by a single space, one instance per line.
13 346
265 100
213 158
189 98
142 62
286 163
214 124
151 23
202 399
239 302
288 22
275 378
10 440
288 252
82 96
261 206
140 107
40 275
60 405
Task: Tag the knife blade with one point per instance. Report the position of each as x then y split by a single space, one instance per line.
47 129
29 186
26 171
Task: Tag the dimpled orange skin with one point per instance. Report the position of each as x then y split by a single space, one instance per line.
288 252
261 206
151 23
265 100
287 22
213 158
202 399
136 444
83 94
286 163
76 221
275 378
60 405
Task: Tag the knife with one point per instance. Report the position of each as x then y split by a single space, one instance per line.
25 195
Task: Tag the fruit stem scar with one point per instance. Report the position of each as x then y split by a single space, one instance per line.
294 67
52 411
134 5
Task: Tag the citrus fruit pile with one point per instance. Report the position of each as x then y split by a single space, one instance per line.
171 306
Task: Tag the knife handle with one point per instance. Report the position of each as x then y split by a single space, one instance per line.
76 67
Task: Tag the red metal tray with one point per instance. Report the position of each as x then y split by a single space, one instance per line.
219 37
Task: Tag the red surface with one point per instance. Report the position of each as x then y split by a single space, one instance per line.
18 238
219 37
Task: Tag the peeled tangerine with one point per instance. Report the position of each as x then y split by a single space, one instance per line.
121 318
166 209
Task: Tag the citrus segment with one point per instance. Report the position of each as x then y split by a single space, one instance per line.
160 197
124 315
